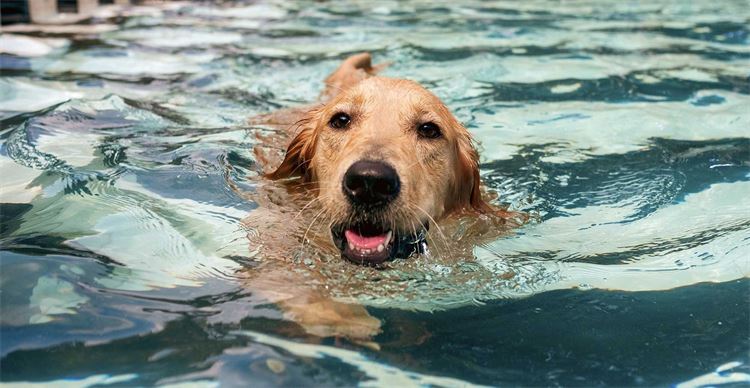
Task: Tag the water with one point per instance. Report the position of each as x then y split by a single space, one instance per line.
620 127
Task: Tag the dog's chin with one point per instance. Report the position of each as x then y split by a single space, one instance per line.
372 244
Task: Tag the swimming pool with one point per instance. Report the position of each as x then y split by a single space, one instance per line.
620 127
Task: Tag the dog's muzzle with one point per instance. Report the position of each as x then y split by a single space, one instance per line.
370 186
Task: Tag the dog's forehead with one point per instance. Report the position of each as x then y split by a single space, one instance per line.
392 93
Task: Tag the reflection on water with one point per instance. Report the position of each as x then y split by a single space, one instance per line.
621 128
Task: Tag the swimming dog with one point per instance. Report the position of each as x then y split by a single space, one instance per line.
380 160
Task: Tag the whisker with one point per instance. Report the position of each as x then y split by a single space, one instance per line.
411 216
309 203
442 237
411 221
304 236
431 219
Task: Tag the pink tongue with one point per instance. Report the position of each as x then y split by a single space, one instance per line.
363 242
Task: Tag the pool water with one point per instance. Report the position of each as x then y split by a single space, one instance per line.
620 127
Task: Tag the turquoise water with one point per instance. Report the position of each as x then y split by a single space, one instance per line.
621 127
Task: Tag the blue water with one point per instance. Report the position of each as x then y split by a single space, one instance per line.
620 127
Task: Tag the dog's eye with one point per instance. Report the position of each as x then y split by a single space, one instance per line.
429 130
340 120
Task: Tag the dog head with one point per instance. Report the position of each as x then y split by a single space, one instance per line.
386 158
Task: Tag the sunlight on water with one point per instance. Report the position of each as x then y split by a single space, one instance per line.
621 128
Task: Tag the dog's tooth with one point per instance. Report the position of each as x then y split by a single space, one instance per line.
380 248
388 237
351 246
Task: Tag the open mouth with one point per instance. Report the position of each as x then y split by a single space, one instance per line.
372 244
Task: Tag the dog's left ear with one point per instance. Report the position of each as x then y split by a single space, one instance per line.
469 193
350 72
299 153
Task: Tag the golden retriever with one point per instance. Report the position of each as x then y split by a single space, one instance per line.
380 160
385 157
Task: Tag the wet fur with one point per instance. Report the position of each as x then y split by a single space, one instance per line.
441 181
463 186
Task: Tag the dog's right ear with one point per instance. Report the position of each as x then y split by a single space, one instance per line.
300 152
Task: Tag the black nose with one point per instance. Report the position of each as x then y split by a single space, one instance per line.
371 184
